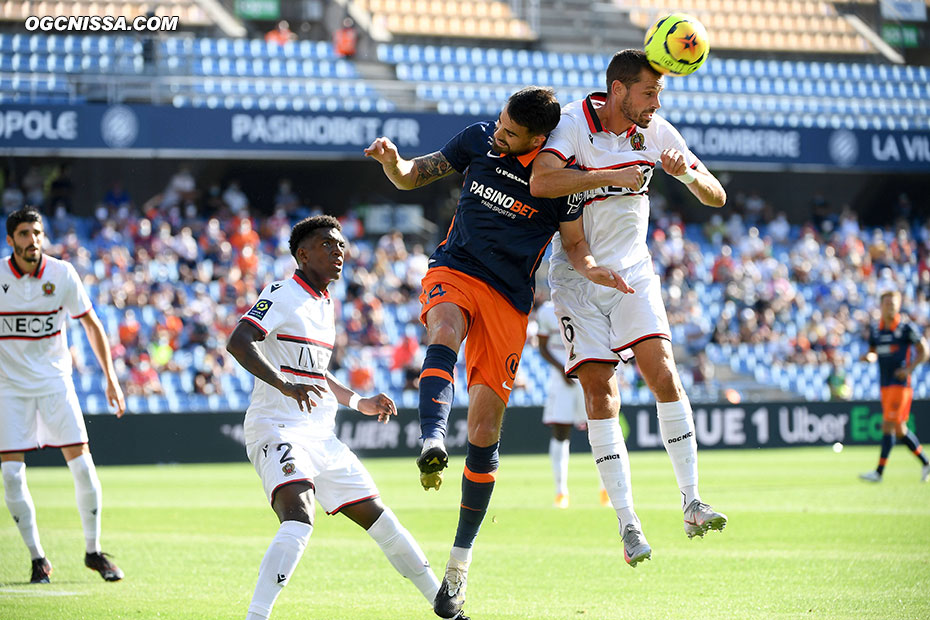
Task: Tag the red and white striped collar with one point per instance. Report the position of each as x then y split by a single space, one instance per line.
591 103
39 270
301 279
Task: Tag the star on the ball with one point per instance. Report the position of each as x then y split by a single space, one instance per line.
689 42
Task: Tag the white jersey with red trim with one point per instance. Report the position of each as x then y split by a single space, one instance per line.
298 323
34 356
616 219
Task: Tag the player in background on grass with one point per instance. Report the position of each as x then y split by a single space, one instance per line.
480 284
898 347
286 341
564 406
38 405
615 140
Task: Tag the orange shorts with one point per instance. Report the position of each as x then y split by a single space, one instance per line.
496 331
896 403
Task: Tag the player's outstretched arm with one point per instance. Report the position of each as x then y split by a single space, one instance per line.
700 181
101 347
406 173
380 405
579 254
551 179
242 345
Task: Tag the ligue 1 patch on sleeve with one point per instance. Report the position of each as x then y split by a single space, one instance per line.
260 309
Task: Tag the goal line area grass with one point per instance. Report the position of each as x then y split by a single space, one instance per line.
806 539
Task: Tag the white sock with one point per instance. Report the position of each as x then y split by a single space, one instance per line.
432 442
461 555
558 454
19 502
676 425
277 566
404 553
88 493
613 463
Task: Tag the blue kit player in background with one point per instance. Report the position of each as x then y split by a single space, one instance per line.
893 344
481 284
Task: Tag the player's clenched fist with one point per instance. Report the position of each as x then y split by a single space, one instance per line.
673 162
382 150
631 176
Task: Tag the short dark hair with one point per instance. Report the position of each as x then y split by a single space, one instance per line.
26 214
306 227
626 65
535 108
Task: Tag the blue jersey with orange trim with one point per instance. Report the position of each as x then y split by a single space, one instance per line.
893 345
500 231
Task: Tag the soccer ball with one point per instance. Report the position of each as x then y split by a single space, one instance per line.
676 44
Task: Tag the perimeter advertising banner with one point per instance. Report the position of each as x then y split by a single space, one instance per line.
96 130
219 437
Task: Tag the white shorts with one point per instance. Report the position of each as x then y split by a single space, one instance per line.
49 421
602 324
564 403
285 455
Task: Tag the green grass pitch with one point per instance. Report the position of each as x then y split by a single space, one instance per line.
806 539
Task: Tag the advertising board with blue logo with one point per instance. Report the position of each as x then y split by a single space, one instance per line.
93 130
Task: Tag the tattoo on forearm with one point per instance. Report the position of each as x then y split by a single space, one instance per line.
431 167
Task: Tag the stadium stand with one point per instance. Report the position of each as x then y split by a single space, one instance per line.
800 296
738 91
487 19
742 294
199 72
808 26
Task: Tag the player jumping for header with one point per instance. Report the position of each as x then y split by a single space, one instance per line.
480 284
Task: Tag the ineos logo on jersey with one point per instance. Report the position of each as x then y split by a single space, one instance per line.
27 326
313 358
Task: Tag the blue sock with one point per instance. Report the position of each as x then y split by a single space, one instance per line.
887 445
910 440
477 486
436 390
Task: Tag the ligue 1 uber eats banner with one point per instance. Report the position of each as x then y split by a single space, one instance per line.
218 437
152 131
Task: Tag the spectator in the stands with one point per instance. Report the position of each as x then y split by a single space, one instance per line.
61 188
345 39
13 197
143 379
285 198
181 189
236 199
280 34
117 197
